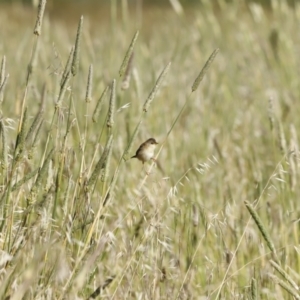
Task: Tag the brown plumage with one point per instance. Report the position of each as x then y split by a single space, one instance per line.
146 151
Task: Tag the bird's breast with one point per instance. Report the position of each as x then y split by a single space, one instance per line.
148 153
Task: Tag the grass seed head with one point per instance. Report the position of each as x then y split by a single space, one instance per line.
111 109
128 55
75 62
88 95
156 87
39 19
204 70
67 67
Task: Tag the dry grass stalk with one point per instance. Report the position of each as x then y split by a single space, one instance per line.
111 187
292 157
4 153
34 131
2 87
196 83
2 70
33 60
156 87
128 55
62 90
284 274
129 147
3 78
50 177
88 95
35 140
261 227
66 198
100 164
295 144
39 20
26 178
111 109
106 163
67 67
126 80
75 61
99 105
204 70
37 120
42 173
254 295
285 286
20 142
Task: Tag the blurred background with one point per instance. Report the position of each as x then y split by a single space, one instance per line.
140 11
147 2
55 5
101 10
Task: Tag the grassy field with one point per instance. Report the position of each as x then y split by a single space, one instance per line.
216 218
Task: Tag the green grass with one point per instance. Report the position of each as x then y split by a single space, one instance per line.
217 218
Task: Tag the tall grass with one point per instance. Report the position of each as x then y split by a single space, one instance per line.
216 218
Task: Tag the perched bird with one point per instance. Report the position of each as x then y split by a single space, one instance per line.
146 151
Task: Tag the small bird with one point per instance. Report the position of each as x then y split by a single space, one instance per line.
146 151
